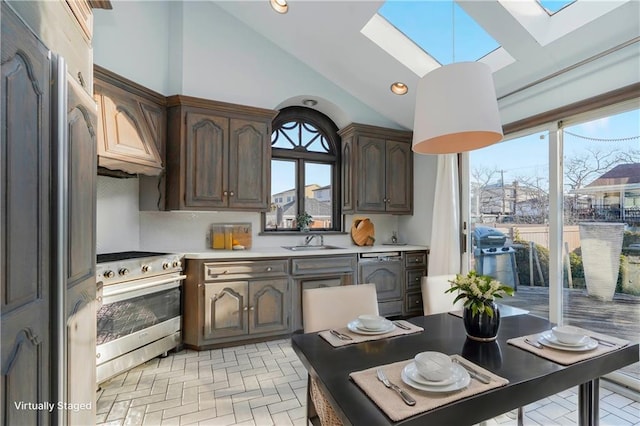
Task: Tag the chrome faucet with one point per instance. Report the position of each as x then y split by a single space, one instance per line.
308 238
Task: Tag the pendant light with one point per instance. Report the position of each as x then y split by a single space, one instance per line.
456 109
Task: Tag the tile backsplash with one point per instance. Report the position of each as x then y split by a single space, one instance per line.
121 226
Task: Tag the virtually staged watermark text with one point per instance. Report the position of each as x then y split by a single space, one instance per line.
50 406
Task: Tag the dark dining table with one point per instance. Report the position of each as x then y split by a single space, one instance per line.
531 377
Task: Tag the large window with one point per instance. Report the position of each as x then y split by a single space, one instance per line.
305 170
564 202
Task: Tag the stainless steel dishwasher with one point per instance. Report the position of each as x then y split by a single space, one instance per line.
385 270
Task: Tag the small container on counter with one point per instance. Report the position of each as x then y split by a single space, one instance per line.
228 237
218 237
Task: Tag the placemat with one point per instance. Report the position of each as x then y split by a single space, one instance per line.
393 406
359 338
569 357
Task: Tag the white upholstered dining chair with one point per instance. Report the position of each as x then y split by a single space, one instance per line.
434 298
332 307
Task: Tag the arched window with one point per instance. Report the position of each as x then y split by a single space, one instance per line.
305 172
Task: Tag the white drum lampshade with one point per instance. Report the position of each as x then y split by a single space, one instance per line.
456 110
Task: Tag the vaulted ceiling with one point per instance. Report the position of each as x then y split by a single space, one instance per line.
349 43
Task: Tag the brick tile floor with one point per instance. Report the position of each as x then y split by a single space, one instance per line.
264 384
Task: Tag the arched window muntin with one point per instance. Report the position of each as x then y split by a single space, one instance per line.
305 142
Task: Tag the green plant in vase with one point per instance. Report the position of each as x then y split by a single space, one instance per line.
479 292
304 220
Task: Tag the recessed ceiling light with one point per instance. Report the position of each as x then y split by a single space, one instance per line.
279 6
399 88
310 102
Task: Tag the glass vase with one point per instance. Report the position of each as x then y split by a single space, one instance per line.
482 327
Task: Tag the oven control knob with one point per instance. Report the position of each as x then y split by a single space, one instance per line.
109 274
166 265
176 263
123 272
146 268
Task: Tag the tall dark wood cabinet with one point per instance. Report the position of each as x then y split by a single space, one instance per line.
377 170
47 221
218 155
25 165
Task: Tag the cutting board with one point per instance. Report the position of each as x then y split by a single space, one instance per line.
362 232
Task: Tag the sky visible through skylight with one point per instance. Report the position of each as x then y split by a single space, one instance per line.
429 25
554 6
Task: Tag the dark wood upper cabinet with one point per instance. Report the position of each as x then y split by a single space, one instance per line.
131 125
377 170
218 155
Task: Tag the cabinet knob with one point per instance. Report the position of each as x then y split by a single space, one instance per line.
269 269
417 302
251 308
225 193
417 278
245 308
232 193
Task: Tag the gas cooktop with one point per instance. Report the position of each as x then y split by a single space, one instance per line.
124 255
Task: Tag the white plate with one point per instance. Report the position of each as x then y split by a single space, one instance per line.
356 327
463 380
590 345
411 371
553 339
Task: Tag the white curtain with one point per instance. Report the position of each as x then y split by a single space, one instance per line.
444 255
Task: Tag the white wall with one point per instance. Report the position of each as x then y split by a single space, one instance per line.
416 229
133 40
118 223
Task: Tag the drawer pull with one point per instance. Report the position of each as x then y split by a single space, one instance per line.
269 269
417 302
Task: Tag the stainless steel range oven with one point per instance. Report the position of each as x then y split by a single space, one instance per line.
139 313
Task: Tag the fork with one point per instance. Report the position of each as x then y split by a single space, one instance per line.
404 395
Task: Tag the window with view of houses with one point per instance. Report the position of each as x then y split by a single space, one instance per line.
304 171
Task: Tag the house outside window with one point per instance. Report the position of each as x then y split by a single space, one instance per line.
305 171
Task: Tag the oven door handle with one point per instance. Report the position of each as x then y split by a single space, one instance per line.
108 293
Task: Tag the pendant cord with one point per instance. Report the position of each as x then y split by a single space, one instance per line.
453 31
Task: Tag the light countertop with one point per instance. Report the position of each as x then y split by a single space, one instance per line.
259 252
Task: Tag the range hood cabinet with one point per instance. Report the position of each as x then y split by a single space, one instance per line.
131 125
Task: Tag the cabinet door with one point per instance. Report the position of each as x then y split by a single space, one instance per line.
387 276
269 307
25 248
225 309
249 165
206 151
399 177
371 174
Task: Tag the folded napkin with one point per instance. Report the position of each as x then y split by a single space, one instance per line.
569 357
396 409
358 338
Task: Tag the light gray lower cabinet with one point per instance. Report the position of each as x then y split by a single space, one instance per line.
389 280
231 301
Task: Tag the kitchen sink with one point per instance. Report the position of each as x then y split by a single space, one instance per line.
302 248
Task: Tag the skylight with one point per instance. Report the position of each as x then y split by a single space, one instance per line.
429 25
553 6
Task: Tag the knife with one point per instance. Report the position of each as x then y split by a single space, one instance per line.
401 325
340 335
482 378
534 344
404 395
